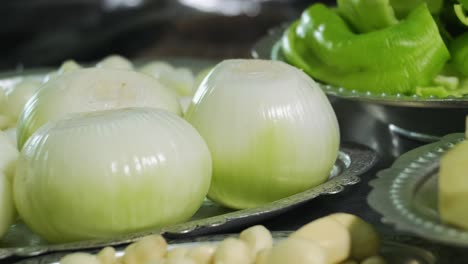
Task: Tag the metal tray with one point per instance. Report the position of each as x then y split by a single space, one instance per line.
406 194
391 251
414 117
353 160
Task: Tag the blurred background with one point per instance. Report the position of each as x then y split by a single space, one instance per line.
38 33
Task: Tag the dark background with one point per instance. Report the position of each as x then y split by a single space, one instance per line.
46 32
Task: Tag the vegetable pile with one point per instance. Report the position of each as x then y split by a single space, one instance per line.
383 46
114 149
337 238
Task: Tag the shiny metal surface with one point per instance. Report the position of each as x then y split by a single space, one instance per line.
406 194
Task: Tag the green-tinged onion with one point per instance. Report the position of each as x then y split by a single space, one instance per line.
181 80
92 89
8 155
271 131
17 97
7 207
11 135
101 174
4 119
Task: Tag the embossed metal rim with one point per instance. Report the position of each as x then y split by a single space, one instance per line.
392 192
267 48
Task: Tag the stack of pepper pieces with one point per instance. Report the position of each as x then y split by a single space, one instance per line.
382 46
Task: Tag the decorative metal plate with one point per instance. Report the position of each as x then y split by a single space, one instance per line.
353 160
391 251
406 194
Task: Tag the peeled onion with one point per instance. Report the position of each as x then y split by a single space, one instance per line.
106 173
92 89
270 129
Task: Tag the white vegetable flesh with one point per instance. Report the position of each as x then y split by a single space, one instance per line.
180 80
92 89
270 128
101 174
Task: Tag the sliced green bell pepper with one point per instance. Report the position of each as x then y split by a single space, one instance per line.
403 7
392 60
459 51
367 15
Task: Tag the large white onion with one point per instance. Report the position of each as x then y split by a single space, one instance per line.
105 173
271 131
92 89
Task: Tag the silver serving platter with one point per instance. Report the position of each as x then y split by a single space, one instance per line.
392 252
353 160
414 117
406 194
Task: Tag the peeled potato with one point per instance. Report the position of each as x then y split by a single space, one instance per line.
365 241
350 261
262 256
453 186
179 252
79 258
298 251
329 234
150 248
257 238
374 260
202 254
233 251
183 260
107 256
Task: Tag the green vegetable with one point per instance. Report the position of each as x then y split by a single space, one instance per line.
460 13
367 15
404 7
92 89
106 173
392 60
270 129
459 51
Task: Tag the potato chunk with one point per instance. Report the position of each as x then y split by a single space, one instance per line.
329 234
365 241
298 251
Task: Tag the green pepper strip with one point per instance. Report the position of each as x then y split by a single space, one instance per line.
403 7
460 13
367 15
459 50
392 60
